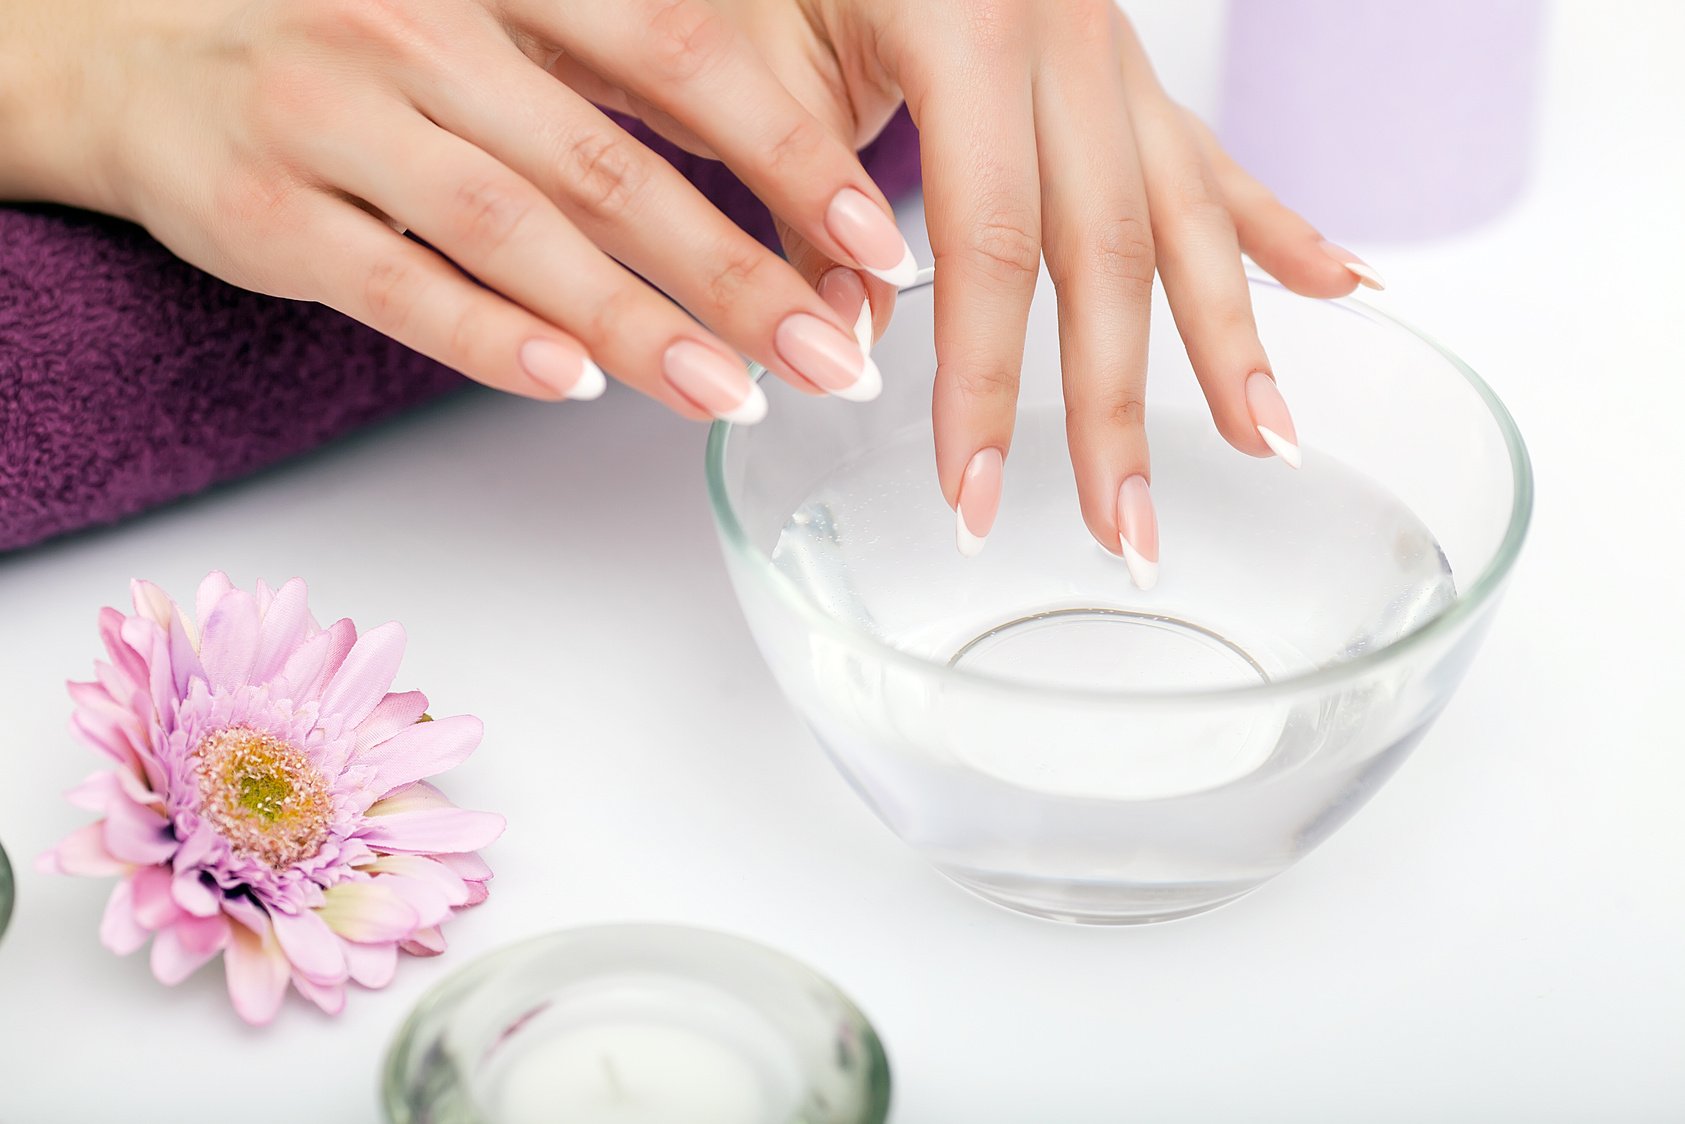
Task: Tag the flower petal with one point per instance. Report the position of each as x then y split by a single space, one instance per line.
430 903
393 713
410 798
466 865
153 904
211 592
137 835
190 892
422 750
153 603
423 869
118 929
285 621
316 953
425 942
183 948
314 662
329 997
372 965
434 830
228 641
366 675
367 912
257 973
82 852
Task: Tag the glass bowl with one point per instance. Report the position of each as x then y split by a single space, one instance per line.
1063 743
636 1024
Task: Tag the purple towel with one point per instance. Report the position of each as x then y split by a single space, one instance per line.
129 378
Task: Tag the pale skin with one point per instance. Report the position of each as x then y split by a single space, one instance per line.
284 144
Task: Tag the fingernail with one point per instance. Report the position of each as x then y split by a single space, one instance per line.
1362 270
565 370
827 357
713 382
979 500
1137 524
842 289
871 236
1269 414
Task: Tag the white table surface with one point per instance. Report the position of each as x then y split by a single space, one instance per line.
1500 935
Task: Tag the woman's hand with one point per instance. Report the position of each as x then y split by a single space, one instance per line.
284 145
1045 132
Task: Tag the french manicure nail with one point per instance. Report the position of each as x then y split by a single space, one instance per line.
1269 414
871 236
827 357
713 382
1362 270
842 289
1138 531
979 500
568 372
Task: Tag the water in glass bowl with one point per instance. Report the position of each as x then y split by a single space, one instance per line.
1265 573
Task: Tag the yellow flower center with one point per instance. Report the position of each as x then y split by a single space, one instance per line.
263 795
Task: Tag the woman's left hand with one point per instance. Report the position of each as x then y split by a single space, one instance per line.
1045 132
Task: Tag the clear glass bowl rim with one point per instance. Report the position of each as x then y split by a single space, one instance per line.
1470 602
461 983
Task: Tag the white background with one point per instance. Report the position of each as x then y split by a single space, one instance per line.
1499 936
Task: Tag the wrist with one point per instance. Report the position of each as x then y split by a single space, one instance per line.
47 118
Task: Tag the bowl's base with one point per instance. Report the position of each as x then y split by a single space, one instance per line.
1078 903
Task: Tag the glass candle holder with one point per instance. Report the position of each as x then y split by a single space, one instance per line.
7 892
1062 742
636 1024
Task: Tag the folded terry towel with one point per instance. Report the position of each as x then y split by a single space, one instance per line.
129 378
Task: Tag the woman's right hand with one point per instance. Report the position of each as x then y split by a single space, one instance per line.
285 145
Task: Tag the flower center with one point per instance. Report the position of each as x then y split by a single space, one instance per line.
263 795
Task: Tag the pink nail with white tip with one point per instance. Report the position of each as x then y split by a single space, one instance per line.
1270 417
871 237
979 500
713 382
1362 270
1137 524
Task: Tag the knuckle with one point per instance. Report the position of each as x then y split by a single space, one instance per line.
1006 244
993 27
1128 412
1121 251
603 173
738 273
390 292
982 381
683 37
486 214
795 149
612 317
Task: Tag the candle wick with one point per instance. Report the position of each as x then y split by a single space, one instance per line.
613 1076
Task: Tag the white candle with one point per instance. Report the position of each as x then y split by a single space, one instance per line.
643 1050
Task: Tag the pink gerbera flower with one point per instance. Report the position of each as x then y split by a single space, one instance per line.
268 802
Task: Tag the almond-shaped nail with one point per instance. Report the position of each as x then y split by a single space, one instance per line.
979 500
842 289
871 236
827 357
1137 524
1362 270
713 382
1270 416
567 371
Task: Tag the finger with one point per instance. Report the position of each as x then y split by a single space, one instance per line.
635 206
1100 253
409 293
1286 246
861 300
1199 260
685 60
502 230
982 205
